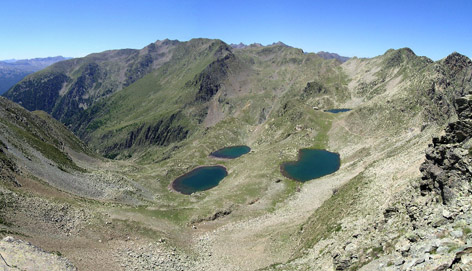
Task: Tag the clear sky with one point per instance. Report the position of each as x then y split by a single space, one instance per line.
366 28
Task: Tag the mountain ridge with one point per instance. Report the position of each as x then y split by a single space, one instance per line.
325 55
74 86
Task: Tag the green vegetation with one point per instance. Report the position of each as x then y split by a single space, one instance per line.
48 150
180 216
41 132
466 230
61 132
325 220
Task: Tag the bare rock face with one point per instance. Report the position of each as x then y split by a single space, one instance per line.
447 170
20 255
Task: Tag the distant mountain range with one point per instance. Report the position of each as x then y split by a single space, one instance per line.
12 70
322 54
255 45
328 55
243 46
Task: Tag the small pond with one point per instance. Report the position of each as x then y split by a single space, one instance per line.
311 164
231 152
337 110
199 179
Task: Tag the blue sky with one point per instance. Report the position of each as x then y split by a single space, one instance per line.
367 28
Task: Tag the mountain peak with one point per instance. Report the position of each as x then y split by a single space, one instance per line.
401 51
256 44
395 57
279 43
456 63
238 46
457 59
166 42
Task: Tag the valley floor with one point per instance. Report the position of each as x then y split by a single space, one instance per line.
101 235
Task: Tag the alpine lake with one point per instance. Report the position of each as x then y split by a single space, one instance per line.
311 164
337 110
231 152
206 177
199 179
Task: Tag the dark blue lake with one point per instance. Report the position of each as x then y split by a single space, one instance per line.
311 164
338 110
231 152
199 179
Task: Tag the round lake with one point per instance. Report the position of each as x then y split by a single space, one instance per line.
231 152
199 179
338 110
311 164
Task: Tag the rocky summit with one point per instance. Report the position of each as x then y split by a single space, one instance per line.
90 149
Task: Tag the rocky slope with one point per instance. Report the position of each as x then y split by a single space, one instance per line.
20 255
435 212
36 144
48 179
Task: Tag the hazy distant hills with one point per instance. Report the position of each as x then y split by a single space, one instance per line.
12 70
328 55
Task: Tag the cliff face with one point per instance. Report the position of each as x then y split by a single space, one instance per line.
447 171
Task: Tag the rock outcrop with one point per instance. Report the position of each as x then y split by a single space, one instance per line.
447 170
436 212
